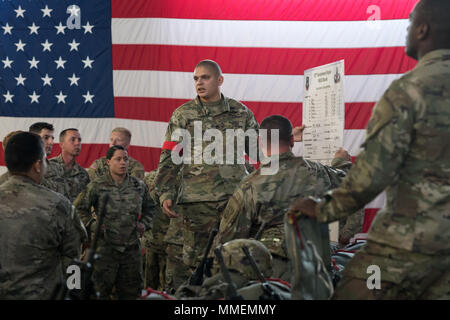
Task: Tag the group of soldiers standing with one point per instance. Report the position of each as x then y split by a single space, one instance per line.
172 211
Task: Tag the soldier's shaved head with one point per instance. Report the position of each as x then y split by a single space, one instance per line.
282 124
212 65
429 28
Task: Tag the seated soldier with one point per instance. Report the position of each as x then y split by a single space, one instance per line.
258 205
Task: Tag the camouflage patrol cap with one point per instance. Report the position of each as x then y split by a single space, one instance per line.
236 260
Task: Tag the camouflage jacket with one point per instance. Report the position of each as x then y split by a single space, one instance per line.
36 232
261 201
127 202
53 179
76 179
407 154
202 181
99 167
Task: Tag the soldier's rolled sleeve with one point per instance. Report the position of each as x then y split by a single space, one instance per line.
389 134
148 210
166 180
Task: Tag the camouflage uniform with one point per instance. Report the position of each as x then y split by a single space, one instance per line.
119 246
76 179
4 177
406 153
205 188
36 231
261 202
153 242
99 167
54 177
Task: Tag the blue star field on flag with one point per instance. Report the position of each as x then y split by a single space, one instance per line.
56 59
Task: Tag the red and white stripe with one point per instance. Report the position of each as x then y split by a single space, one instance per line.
263 48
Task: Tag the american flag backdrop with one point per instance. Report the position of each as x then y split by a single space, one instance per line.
98 64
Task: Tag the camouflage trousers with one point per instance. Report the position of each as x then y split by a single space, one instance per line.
155 266
176 273
117 270
403 275
199 219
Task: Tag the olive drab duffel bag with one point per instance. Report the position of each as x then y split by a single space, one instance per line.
308 249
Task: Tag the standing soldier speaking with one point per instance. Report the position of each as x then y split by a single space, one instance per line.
204 187
128 213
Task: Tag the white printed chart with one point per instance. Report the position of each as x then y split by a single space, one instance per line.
323 111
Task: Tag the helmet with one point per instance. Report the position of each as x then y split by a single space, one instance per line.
236 260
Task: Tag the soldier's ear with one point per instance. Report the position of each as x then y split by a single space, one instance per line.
422 31
108 162
220 80
37 167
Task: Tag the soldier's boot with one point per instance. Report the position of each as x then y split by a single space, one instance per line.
177 272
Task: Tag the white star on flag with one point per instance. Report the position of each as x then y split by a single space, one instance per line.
73 45
20 45
61 97
60 28
33 63
33 28
7 28
19 12
88 28
60 63
87 62
73 10
73 80
88 97
47 80
34 97
7 63
20 80
46 45
8 97
46 11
